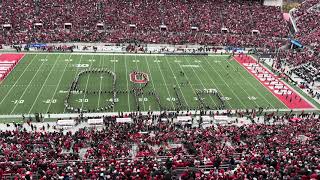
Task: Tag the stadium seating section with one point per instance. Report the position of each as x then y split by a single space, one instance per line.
126 151
183 21
307 18
141 150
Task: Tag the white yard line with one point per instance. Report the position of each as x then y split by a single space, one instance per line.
198 79
16 81
150 75
75 75
100 81
34 102
251 85
25 90
114 70
165 83
185 100
85 89
58 85
289 86
125 63
225 83
144 106
220 91
241 87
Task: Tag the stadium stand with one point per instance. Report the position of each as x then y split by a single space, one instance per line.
307 19
287 148
304 62
174 22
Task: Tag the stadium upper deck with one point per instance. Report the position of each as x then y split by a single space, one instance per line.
151 21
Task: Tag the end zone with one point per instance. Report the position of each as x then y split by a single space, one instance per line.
7 63
283 92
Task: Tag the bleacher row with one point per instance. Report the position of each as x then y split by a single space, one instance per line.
300 61
307 19
247 23
163 150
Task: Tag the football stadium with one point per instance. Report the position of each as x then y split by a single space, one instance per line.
169 89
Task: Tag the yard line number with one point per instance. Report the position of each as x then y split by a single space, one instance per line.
21 101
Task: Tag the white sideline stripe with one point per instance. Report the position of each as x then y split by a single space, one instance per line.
190 65
75 115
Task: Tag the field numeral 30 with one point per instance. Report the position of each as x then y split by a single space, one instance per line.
83 100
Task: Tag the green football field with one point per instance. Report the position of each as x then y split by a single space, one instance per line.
40 83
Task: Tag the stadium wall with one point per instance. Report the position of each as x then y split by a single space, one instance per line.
273 2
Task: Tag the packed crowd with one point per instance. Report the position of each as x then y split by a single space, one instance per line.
280 150
182 21
298 57
307 20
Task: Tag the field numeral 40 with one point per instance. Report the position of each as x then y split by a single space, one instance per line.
252 98
171 99
18 101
